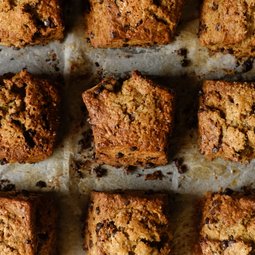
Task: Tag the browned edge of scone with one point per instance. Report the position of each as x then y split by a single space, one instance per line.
225 26
226 120
121 201
230 210
31 22
116 24
44 215
130 144
29 115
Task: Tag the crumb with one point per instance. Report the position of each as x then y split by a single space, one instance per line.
181 167
41 184
100 171
6 185
157 175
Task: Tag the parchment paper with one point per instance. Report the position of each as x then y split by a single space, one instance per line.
72 172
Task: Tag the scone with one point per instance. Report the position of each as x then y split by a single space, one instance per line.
27 224
128 223
227 25
118 23
227 120
30 22
29 118
131 121
228 225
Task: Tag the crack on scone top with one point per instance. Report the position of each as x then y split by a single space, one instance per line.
27 134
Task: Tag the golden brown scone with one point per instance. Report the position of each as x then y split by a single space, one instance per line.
228 225
131 121
27 224
128 223
29 109
227 120
30 22
228 26
118 23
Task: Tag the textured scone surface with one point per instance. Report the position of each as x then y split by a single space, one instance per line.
27 224
227 120
228 225
131 122
116 23
30 22
28 118
128 223
229 26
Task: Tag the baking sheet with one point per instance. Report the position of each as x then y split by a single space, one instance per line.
72 172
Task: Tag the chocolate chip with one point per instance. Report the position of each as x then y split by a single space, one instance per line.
181 167
130 169
99 226
207 221
218 27
97 210
119 155
214 6
28 241
100 171
157 175
41 184
185 62
247 65
228 191
182 52
215 149
3 162
224 244
133 148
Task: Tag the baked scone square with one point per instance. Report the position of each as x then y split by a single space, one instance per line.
227 120
131 121
228 26
128 223
228 225
118 23
29 118
30 22
27 224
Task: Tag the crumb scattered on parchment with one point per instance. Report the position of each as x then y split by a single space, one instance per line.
130 169
6 185
41 184
181 167
157 175
99 171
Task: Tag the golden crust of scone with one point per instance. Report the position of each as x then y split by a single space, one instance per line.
29 118
227 225
228 26
114 24
30 22
131 121
226 120
27 224
128 223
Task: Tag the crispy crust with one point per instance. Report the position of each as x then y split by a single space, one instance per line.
28 224
28 118
116 24
228 26
30 22
227 225
226 120
128 223
131 122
